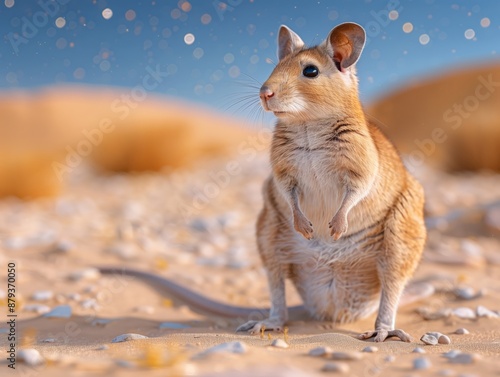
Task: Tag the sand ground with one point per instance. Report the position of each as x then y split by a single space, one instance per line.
198 230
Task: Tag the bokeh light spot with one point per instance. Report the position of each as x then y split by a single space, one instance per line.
234 71
228 58
485 22
189 39
105 65
206 19
79 73
60 22
130 15
424 39
393 15
107 13
408 27
469 34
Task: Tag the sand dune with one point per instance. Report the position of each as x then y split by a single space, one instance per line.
72 125
451 119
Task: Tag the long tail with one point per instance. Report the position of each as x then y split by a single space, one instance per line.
196 301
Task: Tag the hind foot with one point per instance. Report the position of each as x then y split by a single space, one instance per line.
381 335
255 327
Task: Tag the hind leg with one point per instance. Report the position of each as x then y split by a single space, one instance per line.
270 226
404 240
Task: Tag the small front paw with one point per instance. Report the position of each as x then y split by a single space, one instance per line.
338 226
381 335
303 226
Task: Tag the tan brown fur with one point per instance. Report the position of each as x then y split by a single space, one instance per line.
342 217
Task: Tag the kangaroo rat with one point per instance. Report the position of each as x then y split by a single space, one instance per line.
330 166
342 217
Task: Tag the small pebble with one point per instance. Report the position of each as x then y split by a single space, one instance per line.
346 356
127 337
370 349
421 363
90 303
61 311
467 293
444 339
42 295
462 331
429 339
85 274
336 367
464 313
74 296
173 325
451 354
48 340
418 350
320 351
224 348
37 308
124 364
279 343
30 357
485 312
465 358
390 358
145 309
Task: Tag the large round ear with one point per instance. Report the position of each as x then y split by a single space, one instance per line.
345 43
288 42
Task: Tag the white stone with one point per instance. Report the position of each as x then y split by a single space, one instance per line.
429 339
37 308
145 309
462 331
320 351
127 337
464 313
418 350
346 356
370 349
465 358
30 357
336 367
421 363
280 343
61 311
451 354
85 274
485 312
42 295
235 347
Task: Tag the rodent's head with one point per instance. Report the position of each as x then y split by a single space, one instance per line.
318 82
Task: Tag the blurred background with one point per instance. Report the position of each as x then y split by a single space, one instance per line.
159 84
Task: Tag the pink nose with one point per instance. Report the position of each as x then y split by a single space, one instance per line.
266 93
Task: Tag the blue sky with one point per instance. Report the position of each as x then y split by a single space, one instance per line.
111 42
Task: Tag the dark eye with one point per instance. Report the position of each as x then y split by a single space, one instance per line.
310 71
